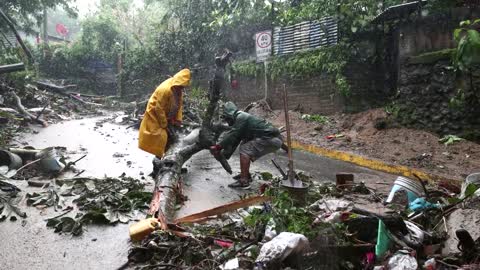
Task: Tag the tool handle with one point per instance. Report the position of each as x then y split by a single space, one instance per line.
291 173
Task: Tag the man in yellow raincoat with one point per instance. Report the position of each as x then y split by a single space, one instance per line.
164 108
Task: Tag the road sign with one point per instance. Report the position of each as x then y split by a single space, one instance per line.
61 30
263 45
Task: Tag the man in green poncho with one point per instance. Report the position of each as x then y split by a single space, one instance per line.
255 136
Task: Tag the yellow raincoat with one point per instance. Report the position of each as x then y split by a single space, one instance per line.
152 136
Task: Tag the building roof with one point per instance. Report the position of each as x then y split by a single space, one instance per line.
399 11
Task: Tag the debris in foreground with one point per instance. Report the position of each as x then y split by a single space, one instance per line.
341 235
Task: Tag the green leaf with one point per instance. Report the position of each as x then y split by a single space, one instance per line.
456 34
470 190
474 36
465 23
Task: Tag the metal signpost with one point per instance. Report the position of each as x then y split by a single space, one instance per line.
263 48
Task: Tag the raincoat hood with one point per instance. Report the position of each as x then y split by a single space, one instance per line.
182 78
229 110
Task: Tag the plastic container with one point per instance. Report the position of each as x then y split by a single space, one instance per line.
473 178
143 228
50 159
7 158
297 193
413 188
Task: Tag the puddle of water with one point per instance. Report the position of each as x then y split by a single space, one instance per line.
111 149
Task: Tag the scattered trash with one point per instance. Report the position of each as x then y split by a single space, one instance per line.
9 159
413 188
383 240
332 205
281 247
430 264
470 185
51 159
142 229
420 204
344 179
231 265
415 236
402 260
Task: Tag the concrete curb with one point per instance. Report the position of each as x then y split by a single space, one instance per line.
372 163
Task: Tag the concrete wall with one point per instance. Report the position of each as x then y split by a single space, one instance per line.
424 99
425 88
315 95
431 33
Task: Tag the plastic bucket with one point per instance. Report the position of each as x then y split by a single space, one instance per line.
297 194
50 159
413 188
13 161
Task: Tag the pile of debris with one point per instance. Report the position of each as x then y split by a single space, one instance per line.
44 103
419 226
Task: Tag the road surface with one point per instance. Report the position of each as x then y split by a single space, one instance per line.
112 150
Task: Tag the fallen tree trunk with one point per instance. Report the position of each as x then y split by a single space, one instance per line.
61 90
168 179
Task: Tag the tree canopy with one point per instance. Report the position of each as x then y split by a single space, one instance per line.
28 13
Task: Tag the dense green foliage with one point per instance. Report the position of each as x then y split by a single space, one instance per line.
156 39
466 58
468 50
29 13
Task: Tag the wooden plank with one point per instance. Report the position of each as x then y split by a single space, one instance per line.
223 209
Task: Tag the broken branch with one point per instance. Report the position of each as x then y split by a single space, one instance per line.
26 114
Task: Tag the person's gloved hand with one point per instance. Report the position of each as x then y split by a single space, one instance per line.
216 150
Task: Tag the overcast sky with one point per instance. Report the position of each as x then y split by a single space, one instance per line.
87 6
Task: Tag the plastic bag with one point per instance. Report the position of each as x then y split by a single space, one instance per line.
281 247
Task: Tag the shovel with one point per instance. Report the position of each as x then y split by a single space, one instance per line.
291 181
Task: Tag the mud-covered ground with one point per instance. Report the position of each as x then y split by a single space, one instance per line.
414 148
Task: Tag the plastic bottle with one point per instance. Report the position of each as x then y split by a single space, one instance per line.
143 228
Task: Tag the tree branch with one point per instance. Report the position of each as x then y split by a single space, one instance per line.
167 182
19 39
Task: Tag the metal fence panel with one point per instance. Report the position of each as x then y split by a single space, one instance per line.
305 36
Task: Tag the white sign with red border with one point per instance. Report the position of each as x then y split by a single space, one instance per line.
263 45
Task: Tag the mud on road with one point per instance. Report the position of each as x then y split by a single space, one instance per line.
370 134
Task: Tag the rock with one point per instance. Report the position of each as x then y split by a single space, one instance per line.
461 219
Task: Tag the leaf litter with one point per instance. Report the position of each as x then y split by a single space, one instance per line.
97 201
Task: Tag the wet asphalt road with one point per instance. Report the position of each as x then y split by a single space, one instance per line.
112 150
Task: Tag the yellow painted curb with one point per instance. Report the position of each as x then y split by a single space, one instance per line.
372 163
